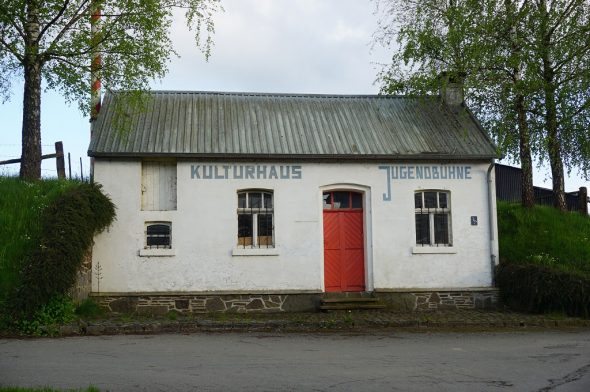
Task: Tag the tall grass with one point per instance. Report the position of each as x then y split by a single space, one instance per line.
544 236
21 205
544 260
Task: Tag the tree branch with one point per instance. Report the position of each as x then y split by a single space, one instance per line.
53 21
12 23
82 11
584 50
584 106
9 48
71 63
568 10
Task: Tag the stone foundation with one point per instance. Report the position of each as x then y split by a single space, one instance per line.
444 299
396 301
206 303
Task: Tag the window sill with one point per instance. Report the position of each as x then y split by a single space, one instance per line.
433 250
157 252
255 252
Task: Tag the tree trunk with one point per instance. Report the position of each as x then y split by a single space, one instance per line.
526 161
553 141
30 167
554 144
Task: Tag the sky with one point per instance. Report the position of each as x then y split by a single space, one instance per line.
275 46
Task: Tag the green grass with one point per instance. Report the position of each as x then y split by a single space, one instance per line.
89 309
21 204
46 389
544 236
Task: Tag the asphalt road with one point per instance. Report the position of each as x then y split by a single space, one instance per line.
536 361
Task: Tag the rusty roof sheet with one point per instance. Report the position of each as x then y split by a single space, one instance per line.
282 126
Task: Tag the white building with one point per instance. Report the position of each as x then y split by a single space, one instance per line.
237 202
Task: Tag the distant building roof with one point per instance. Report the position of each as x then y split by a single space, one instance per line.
279 126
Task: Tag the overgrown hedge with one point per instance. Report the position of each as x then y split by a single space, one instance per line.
541 289
69 224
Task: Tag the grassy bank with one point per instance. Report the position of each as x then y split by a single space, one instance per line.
544 260
544 236
21 207
47 228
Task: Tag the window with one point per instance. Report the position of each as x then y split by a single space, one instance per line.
433 218
158 235
342 200
158 186
255 219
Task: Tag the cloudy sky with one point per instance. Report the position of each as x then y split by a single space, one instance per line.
296 46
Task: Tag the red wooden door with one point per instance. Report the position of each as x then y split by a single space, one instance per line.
344 259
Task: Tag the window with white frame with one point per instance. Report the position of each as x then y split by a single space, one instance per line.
158 235
255 219
433 218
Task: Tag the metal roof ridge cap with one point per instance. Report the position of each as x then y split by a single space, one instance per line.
284 94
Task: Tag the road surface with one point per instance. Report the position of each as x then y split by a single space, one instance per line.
535 361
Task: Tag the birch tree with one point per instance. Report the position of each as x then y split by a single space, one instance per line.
526 72
560 49
48 44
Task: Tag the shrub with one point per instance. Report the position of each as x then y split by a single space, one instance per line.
59 310
68 225
89 309
542 289
21 206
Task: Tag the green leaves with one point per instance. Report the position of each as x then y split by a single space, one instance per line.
133 38
513 53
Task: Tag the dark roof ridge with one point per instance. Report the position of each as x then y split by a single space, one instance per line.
286 95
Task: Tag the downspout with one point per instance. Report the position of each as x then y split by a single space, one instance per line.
492 219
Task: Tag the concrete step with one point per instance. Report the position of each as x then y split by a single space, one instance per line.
345 300
352 306
351 294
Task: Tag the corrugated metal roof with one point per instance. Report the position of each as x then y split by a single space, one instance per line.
271 126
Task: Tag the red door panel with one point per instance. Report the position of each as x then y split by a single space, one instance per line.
344 261
355 270
331 231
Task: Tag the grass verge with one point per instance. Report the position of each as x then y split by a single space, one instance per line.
544 236
47 389
545 260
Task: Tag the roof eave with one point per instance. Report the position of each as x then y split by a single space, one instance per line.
296 157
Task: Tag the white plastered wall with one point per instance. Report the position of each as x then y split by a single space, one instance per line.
204 232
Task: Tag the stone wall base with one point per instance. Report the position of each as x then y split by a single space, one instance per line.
206 303
410 301
397 301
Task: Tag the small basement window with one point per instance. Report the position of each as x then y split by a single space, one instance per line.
158 235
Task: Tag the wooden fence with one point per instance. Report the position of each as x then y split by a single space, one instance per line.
59 160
